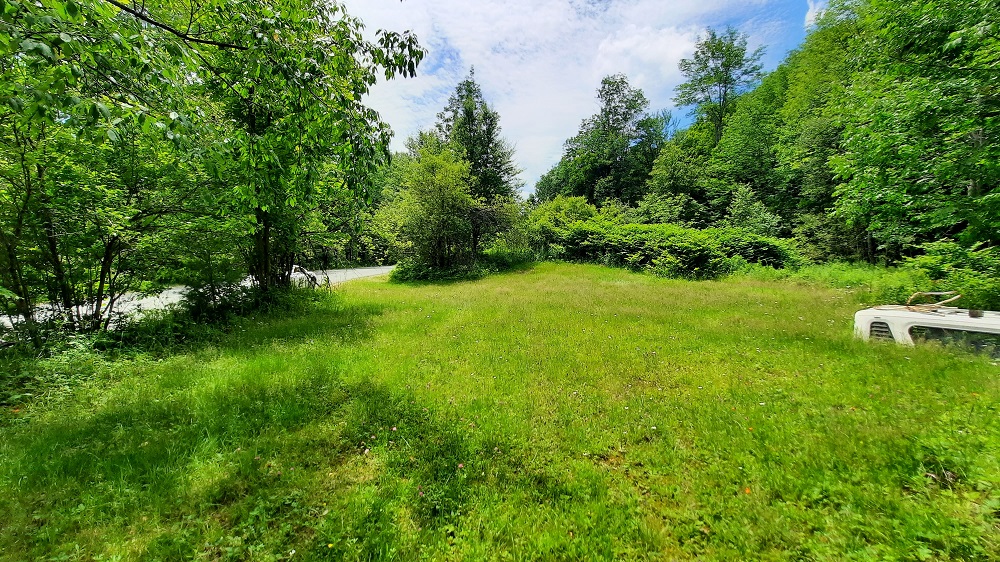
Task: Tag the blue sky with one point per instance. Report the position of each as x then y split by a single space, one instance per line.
540 62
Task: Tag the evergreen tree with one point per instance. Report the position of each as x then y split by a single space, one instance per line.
473 127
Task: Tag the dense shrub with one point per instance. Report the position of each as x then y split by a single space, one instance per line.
569 230
973 272
548 222
755 248
944 266
667 250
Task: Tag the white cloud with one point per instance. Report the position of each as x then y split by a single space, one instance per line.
540 61
816 8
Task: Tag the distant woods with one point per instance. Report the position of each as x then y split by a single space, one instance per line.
879 134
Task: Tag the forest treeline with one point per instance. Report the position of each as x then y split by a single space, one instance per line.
876 136
875 140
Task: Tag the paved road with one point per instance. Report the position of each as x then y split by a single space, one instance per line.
335 276
132 303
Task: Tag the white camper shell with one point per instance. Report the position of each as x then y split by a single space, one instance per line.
976 330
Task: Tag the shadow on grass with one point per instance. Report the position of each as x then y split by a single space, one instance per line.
300 316
26 373
450 279
240 468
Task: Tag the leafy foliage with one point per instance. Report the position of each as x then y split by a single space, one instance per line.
922 157
718 72
747 212
435 207
183 141
611 156
973 272
565 229
473 127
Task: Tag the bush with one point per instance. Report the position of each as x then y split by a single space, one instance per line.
755 248
548 224
663 249
410 269
666 250
747 212
680 209
973 272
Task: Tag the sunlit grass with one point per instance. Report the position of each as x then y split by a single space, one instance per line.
564 412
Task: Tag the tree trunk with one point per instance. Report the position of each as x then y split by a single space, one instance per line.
22 304
261 269
110 252
63 285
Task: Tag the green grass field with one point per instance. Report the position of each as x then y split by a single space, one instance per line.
564 412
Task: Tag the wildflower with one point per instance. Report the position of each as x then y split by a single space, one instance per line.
366 451
746 491
394 428
460 465
329 545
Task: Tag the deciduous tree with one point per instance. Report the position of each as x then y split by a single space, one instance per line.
718 72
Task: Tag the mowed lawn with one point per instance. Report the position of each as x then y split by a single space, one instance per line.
565 412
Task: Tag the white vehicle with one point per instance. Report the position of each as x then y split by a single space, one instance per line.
977 330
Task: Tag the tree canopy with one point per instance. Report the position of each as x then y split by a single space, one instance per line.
212 128
719 71
473 127
611 156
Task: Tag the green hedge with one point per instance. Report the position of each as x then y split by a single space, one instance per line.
663 249
754 248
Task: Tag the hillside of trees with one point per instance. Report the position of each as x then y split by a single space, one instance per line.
876 136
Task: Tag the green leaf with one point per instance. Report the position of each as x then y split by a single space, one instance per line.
34 47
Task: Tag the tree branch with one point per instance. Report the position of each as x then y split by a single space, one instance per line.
178 33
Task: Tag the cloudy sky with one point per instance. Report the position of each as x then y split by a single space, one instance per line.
540 62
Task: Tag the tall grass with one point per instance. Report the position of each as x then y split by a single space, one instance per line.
560 412
870 284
